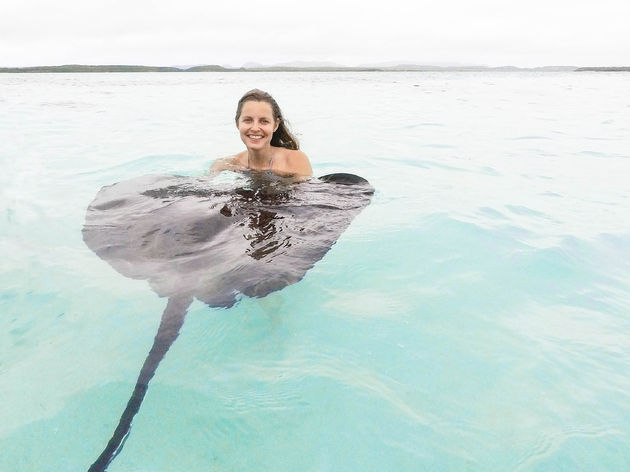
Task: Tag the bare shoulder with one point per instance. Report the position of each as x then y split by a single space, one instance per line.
234 163
295 162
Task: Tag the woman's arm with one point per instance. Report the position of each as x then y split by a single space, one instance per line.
224 163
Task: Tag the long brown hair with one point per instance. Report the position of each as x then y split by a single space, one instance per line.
281 137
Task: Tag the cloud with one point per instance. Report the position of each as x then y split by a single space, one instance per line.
162 33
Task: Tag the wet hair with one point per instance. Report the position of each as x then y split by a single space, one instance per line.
281 137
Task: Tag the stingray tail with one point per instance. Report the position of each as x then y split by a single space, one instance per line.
172 320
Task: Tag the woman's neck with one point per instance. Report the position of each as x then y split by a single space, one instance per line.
259 159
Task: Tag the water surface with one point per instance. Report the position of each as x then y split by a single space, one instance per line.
474 317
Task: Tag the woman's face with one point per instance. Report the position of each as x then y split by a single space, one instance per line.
256 124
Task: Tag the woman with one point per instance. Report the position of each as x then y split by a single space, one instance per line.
270 145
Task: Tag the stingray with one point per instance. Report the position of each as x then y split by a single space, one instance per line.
215 240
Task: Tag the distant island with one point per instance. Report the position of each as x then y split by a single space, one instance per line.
301 67
603 69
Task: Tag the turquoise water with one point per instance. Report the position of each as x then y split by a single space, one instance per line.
476 316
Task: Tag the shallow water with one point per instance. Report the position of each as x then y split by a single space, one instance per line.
474 317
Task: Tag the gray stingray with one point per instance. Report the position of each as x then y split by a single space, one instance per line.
198 237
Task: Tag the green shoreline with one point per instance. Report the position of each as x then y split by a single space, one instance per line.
75 68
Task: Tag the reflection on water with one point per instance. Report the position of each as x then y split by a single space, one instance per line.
264 240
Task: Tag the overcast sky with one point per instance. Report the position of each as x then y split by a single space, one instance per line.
189 32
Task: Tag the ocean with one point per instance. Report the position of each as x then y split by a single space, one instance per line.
475 316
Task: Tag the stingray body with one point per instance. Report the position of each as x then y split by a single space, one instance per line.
215 241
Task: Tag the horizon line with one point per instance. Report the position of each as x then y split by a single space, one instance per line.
289 67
